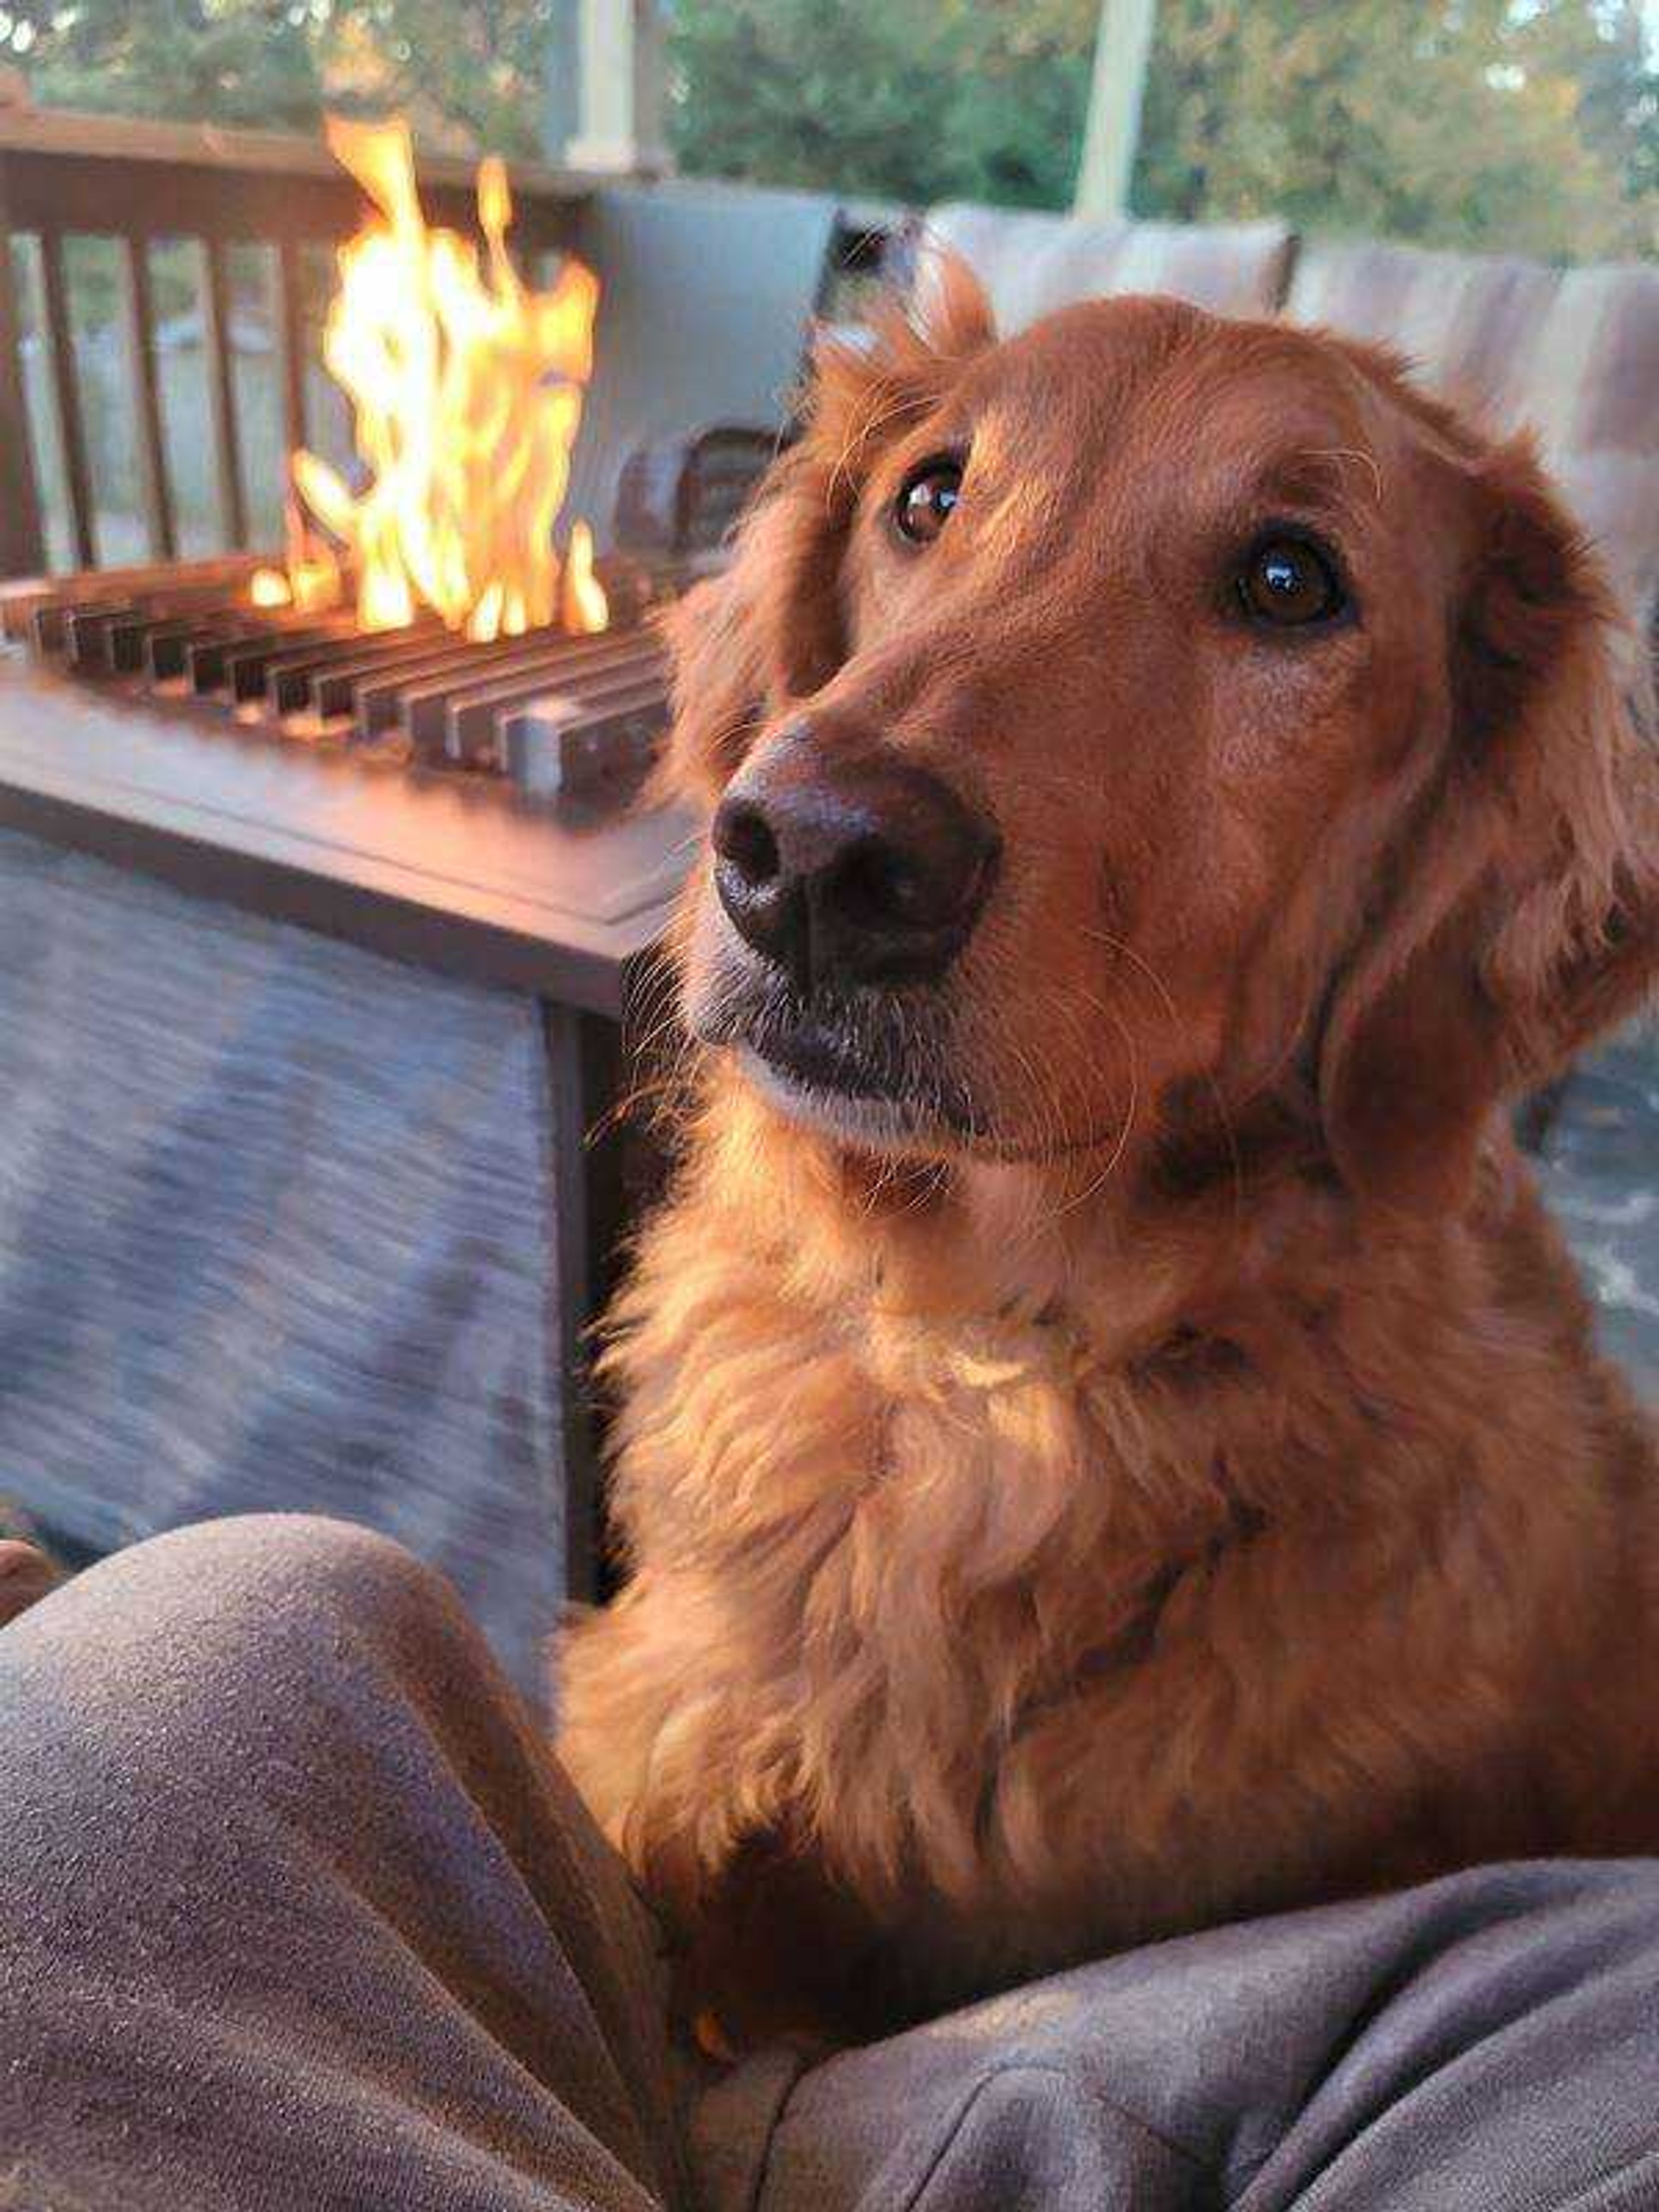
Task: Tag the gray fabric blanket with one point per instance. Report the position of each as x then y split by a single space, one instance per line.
296 1916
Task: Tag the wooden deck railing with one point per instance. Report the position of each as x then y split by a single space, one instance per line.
64 176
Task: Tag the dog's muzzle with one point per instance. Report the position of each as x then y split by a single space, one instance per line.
867 873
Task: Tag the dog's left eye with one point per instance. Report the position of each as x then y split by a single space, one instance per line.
1288 582
927 500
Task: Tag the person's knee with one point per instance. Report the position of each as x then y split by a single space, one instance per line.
171 1714
255 1608
284 1567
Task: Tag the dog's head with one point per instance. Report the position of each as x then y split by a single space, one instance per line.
1150 709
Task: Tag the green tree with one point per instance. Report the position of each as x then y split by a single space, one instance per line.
1479 123
251 62
1524 125
1520 125
900 99
468 73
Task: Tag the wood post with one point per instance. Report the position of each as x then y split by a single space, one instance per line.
1123 46
22 550
217 341
146 398
66 398
291 341
621 107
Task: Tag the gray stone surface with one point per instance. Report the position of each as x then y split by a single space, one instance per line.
1598 1165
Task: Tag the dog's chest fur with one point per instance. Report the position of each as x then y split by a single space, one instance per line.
876 1519
1030 1613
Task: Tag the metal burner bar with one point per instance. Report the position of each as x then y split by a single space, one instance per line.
206 655
50 628
386 656
167 647
238 664
565 747
78 629
383 675
87 626
425 714
288 680
130 636
124 634
472 723
19 601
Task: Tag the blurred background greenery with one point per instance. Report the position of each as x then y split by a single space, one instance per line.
1504 125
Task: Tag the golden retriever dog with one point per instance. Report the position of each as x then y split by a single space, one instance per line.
1110 1441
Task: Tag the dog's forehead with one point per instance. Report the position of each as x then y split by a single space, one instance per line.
1109 373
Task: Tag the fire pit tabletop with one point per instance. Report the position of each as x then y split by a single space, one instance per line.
463 875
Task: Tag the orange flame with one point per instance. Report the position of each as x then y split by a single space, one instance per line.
466 388
583 607
309 580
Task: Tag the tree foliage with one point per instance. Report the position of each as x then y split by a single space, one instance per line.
1525 125
250 62
900 99
1479 123
469 72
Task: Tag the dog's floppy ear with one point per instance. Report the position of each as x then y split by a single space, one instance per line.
1520 914
770 629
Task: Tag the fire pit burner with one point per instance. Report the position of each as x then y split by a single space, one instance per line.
572 719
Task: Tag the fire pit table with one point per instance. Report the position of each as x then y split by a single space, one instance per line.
308 1008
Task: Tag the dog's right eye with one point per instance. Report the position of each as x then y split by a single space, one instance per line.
927 500
1290 583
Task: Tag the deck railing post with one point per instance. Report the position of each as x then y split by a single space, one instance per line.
217 339
291 341
66 397
22 550
1123 46
147 398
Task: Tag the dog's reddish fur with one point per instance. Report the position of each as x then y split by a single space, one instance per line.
1195 1493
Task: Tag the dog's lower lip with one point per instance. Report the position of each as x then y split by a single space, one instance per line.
807 1063
817 1057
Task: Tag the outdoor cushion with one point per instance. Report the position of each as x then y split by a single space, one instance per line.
1031 263
1586 377
1459 317
1573 355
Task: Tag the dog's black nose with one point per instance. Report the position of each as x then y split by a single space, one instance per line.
864 870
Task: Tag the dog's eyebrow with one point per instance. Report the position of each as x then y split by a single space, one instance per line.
1336 478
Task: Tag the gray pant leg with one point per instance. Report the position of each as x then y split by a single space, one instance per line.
295 1912
1486 2044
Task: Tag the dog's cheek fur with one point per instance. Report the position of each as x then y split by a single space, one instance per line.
1522 911
747 645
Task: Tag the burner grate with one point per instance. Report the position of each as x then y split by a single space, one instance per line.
561 716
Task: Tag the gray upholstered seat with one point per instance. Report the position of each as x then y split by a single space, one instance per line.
1031 263
1573 355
